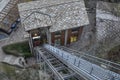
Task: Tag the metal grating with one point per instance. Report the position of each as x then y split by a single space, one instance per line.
84 67
60 70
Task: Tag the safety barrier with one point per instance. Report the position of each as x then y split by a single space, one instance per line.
84 65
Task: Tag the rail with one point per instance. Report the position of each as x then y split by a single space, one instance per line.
84 66
60 71
95 60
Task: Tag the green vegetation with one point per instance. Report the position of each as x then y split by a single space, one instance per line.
114 54
9 71
18 49
116 10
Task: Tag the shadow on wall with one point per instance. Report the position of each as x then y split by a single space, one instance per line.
3 31
3 34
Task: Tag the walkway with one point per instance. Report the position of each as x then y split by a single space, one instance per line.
59 70
82 67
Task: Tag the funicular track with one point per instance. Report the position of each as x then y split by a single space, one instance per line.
59 59
58 68
95 60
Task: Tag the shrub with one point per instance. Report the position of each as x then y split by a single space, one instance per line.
18 49
114 54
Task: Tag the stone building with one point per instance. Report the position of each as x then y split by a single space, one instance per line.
96 36
57 22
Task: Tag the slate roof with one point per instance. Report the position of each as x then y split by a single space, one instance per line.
59 14
5 7
36 19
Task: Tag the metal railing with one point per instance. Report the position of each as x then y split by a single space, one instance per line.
95 60
54 64
86 67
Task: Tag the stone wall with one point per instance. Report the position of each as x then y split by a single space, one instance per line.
87 38
107 36
101 35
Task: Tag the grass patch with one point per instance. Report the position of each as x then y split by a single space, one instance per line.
18 49
114 54
9 71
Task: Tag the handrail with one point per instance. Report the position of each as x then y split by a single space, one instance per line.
93 70
96 59
49 64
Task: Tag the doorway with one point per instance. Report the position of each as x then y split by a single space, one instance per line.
38 37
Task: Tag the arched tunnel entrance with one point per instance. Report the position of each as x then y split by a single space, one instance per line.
39 37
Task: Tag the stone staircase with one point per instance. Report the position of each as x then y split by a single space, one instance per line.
12 60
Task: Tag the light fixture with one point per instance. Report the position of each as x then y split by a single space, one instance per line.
35 34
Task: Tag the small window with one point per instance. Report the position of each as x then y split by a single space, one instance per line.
58 34
75 29
57 41
73 39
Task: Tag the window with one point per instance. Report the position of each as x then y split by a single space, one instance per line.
73 39
57 42
58 34
75 30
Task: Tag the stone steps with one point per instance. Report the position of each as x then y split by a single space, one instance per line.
12 60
